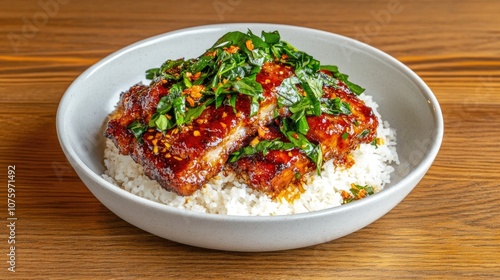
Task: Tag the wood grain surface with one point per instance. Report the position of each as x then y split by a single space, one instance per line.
447 228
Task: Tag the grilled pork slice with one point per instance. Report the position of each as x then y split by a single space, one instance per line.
338 136
183 158
277 169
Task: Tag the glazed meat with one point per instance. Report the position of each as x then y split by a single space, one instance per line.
337 135
183 159
273 112
277 169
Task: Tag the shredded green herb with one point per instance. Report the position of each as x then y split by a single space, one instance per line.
357 192
262 147
137 129
229 68
364 133
345 135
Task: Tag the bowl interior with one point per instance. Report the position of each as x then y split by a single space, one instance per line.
405 102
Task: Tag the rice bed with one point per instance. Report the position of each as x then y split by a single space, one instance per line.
224 194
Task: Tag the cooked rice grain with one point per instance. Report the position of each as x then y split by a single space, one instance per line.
225 195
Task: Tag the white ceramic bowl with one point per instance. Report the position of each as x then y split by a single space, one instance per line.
405 101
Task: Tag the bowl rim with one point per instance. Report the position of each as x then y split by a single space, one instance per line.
418 171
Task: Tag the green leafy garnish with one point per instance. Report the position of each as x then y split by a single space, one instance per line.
249 86
291 130
138 129
364 133
344 78
228 70
312 151
335 106
357 192
262 147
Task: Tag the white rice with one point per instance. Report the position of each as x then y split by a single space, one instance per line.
225 195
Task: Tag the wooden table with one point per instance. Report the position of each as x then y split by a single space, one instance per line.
447 228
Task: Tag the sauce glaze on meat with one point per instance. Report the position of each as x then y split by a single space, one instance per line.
182 160
184 157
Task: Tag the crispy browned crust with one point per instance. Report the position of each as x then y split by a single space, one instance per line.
338 136
183 159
